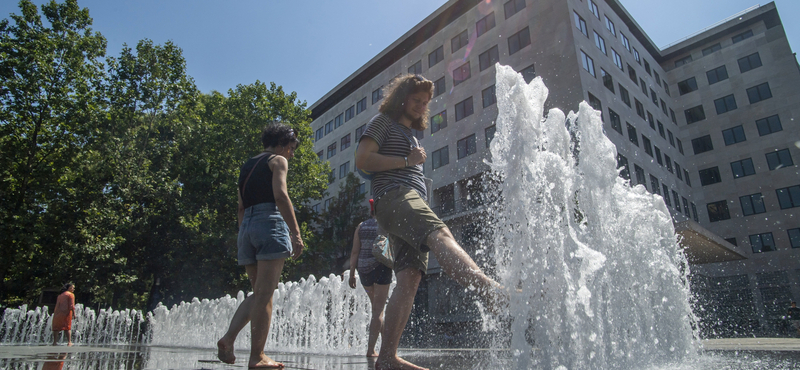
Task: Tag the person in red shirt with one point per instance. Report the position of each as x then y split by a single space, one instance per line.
63 313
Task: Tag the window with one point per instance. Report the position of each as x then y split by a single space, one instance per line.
769 125
666 88
440 157
623 93
759 93
617 60
327 204
519 40
464 109
678 171
640 179
687 86
710 176
695 114
418 134
337 122
489 58
694 213
593 8
610 26
625 42
743 168
685 206
661 129
436 56
588 63
329 126
344 169
600 43
632 73
680 145
654 97
466 146
616 123
762 243
647 67
654 187
622 163
632 134
489 134
461 74
377 95
711 49
725 104
686 177
639 108
459 41
512 7
650 120
658 157
733 135
752 204
669 163
362 188
315 208
685 60
677 200
528 73
439 121
319 134
702 144
360 131
779 159
361 105
439 87
595 102
671 138
331 150
657 77
672 115
488 96
416 68
644 86
345 142
789 197
742 36
320 155
718 211
717 74
666 195
484 24
648 147
794 237
581 25
749 62
348 115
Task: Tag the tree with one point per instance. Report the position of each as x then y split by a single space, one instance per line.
49 100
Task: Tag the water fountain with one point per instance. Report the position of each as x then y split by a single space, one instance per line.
597 277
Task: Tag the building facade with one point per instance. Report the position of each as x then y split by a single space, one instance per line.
706 123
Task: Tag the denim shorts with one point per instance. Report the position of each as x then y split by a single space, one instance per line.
263 235
380 275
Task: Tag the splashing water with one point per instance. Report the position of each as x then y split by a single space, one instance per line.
600 279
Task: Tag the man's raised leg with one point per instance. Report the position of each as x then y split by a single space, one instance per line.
397 312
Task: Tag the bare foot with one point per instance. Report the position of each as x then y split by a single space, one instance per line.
372 353
69 344
396 363
225 352
264 362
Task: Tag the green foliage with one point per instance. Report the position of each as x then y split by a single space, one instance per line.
122 177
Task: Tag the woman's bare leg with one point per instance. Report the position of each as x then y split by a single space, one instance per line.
267 277
377 300
238 322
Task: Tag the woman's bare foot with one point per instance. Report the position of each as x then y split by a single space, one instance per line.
396 363
372 353
264 362
69 344
225 352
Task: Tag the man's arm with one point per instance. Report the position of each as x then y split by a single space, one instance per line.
368 159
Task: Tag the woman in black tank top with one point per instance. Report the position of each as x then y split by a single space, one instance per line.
268 234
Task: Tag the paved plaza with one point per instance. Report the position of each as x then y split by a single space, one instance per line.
740 353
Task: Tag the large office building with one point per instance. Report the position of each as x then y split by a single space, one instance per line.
707 123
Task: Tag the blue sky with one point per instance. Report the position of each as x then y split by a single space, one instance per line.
310 46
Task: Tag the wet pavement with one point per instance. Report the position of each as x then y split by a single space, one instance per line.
745 353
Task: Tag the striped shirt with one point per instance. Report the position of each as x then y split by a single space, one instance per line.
394 140
367 234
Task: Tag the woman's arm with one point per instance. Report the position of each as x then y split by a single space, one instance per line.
368 159
240 210
354 257
280 168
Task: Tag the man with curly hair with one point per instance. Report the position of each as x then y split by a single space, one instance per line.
389 149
